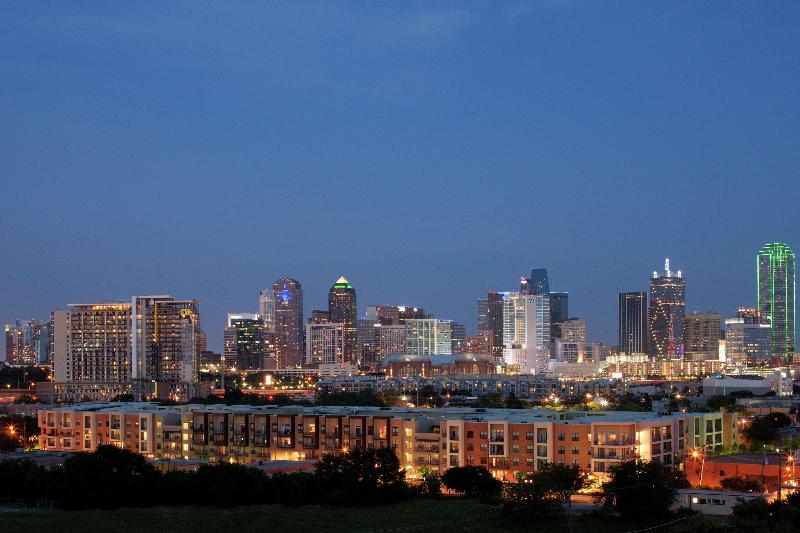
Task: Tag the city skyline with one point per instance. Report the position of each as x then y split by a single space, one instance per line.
210 329
461 144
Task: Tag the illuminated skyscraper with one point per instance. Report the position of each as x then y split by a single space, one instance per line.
289 322
343 310
667 310
775 286
526 331
632 322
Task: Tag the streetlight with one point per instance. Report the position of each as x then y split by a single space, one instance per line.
696 455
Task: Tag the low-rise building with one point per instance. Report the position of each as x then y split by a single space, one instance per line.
508 442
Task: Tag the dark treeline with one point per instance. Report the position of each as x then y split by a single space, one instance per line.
111 477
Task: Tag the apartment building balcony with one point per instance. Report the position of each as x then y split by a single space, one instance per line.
310 442
617 443
615 454
239 439
220 439
261 441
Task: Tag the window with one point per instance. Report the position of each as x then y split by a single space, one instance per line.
484 435
575 437
560 450
718 424
541 451
469 434
529 435
575 451
560 436
541 436
709 426
515 448
143 424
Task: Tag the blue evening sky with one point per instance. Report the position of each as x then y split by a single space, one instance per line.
429 151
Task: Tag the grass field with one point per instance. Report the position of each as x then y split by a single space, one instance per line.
421 515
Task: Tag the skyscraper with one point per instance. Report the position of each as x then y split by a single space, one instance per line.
244 342
538 283
288 295
632 322
266 308
775 296
458 335
526 331
559 312
667 310
483 314
494 322
343 310
701 336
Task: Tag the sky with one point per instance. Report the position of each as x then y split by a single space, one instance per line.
428 151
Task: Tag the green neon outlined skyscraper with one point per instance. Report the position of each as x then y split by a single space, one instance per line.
775 294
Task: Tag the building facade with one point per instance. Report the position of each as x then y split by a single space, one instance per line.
325 344
748 341
508 443
245 342
702 336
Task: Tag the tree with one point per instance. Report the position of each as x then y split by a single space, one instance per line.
22 479
738 484
108 478
764 430
641 490
431 483
429 397
362 476
545 492
472 481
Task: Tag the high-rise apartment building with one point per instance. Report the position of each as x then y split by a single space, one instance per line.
573 330
775 296
149 339
288 294
667 311
92 343
245 343
165 334
391 340
266 308
325 344
633 337
344 310
702 336
559 312
748 341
